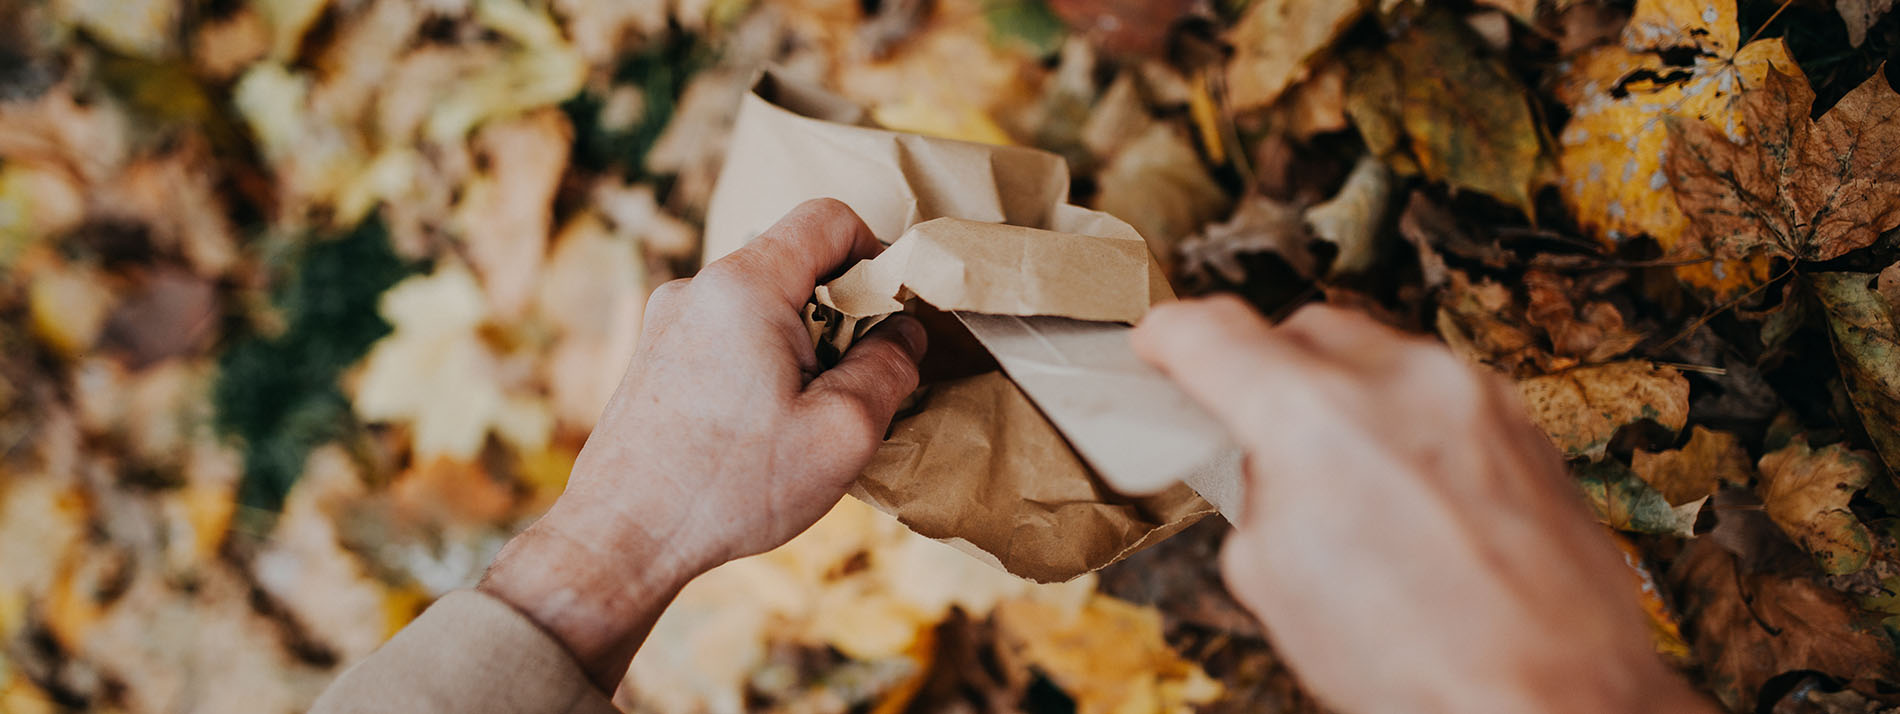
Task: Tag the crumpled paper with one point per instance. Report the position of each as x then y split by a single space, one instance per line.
1031 468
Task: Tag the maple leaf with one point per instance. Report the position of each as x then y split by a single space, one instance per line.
435 372
1806 493
1695 471
1677 58
1433 99
1582 408
1798 188
1867 344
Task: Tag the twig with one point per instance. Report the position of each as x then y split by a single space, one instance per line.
1725 307
1764 25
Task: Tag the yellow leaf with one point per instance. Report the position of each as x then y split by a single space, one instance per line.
1206 119
1109 655
1614 148
69 306
436 372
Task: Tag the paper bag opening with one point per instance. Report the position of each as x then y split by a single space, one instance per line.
977 231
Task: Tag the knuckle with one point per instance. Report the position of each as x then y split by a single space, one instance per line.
665 299
823 209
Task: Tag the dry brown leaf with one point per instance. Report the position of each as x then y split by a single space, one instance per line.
1710 460
308 572
1595 333
1614 149
594 291
1859 15
1480 322
1158 185
1581 409
1749 627
1318 105
506 212
1799 188
1806 493
1274 42
1261 225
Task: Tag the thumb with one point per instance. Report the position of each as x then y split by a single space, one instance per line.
861 393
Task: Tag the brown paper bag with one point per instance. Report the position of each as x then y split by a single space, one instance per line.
1015 470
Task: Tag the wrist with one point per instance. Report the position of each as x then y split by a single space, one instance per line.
595 579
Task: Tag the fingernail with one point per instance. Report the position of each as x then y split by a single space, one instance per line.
912 332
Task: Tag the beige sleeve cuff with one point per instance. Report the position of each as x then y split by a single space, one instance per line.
468 653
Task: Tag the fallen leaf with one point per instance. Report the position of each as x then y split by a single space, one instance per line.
1435 99
1108 655
1354 219
1318 105
1275 40
1677 59
308 572
594 292
506 212
1867 345
1799 188
1581 409
36 202
435 372
69 305
1625 502
1859 15
1481 323
1594 334
1710 460
1750 627
1806 493
1158 185
1260 225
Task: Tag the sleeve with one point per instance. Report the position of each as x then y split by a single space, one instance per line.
472 653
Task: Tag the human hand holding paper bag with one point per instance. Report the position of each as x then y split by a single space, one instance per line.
1000 467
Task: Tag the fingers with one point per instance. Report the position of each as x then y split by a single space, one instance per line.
1217 349
814 240
863 391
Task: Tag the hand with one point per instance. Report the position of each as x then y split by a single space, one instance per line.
1410 540
724 439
